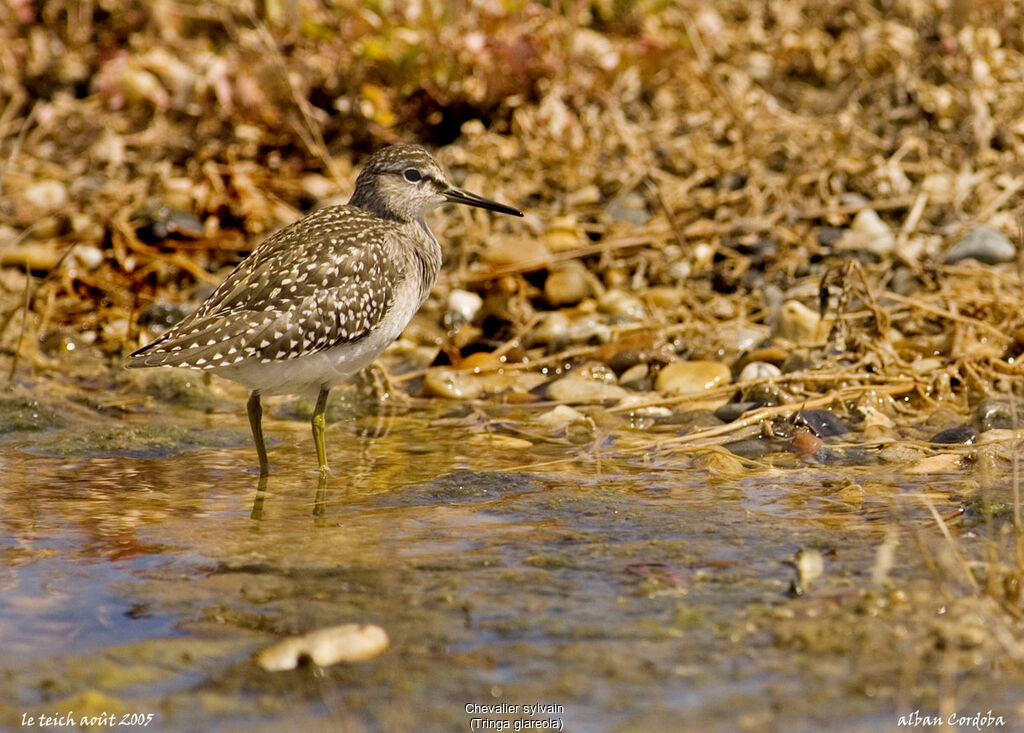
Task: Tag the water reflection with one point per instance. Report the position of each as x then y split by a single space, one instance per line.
587 579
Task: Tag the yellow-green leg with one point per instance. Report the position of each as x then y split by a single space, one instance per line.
319 424
256 423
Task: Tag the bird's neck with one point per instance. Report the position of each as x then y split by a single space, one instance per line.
427 255
368 198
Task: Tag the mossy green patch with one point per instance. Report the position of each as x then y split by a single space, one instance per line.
146 440
19 414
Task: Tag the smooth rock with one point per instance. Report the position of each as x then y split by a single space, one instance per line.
559 417
942 463
618 303
690 377
758 370
629 207
664 296
451 384
876 425
87 256
479 361
959 435
462 307
47 194
756 447
734 410
810 565
588 329
506 251
498 441
576 390
692 420
551 331
158 317
564 234
872 234
324 647
983 244
566 284
999 435
767 393
636 378
719 465
796 322
822 422
995 414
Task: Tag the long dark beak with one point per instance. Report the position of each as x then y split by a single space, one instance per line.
458 196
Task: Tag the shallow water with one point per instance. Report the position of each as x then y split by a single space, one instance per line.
629 589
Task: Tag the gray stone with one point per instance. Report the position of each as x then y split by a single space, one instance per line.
984 244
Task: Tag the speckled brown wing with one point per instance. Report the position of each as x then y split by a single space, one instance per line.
322 281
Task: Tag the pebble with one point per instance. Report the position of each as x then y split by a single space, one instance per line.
158 317
771 354
618 303
877 236
566 284
462 307
717 464
758 370
324 647
942 463
588 329
576 390
693 420
49 227
636 378
88 256
156 222
663 296
828 236
995 414
985 244
451 384
629 207
511 251
558 418
796 322
627 352
901 453
734 410
499 441
479 361
756 447
942 418
552 331
47 194
689 377
564 234
810 565
959 435
822 422
998 435
743 338
876 425
589 194
641 408
765 393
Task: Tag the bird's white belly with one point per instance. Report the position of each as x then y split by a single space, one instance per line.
306 375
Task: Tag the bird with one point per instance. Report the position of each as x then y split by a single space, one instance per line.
320 299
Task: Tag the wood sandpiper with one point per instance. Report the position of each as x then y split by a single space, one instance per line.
320 299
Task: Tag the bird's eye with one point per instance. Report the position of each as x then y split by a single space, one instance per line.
412 175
